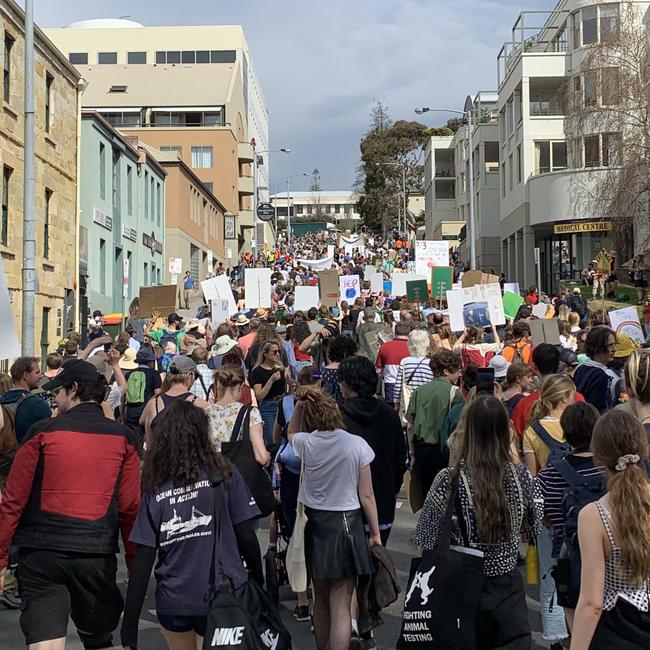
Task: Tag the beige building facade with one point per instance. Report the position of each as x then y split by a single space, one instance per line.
56 89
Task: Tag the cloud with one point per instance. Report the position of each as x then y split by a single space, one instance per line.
322 64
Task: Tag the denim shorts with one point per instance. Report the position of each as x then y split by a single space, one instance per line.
172 623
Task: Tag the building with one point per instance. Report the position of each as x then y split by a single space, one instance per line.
546 172
122 216
170 88
56 95
195 220
439 183
336 207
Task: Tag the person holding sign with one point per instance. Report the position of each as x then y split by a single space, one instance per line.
473 350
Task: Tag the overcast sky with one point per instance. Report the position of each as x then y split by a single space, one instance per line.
323 63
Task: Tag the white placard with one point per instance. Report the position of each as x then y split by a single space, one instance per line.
229 253
539 310
219 287
323 264
477 297
349 288
376 282
368 270
400 280
175 265
492 294
513 287
125 277
626 321
257 288
219 311
306 298
9 344
330 250
429 254
455 304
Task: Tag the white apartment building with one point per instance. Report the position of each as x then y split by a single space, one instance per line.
544 172
439 183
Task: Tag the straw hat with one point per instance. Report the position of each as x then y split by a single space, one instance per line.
127 362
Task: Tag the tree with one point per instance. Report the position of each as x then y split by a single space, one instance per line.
386 149
608 106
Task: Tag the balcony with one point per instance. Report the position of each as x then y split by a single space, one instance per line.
246 219
245 152
246 186
547 97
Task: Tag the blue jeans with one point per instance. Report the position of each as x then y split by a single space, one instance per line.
269 412
553 621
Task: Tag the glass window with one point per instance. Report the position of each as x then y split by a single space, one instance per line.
49 80
575 29
158 204
517 106
203 56
608 21
6 77
188 56
208 186
611 148
592 151
146 274
559 153
510 165
589 25
503 178
223 56
591 97
6 176
172 147
102 266
542 157
129 189
102 171
78 58
153 199
161 57
577 91
610 92
136 57
519 171
107 58
46 225
173 57
146 195
201 157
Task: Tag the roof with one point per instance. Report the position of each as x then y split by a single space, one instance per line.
158 85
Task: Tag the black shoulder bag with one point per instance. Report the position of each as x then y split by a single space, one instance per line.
240 453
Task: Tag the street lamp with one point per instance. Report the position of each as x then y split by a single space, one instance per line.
255 192
468 114
288 208
403 166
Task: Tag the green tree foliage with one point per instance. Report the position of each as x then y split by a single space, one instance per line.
386 147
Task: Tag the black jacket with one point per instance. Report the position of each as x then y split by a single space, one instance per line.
380 426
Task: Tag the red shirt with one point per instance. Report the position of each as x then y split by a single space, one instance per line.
532 298
521 412
390 356
245 342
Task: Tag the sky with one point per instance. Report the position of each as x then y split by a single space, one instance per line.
323 64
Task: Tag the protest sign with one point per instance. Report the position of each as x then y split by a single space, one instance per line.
161 298
626 321
257 288
328 282
330 250
429 254
376 282
175 265
470 278
479 305
545 330
417 291
306 298
539 310
511 304
512 287
317 265
388 287
441 281
219 311
219 288
400 280
9 343
349 287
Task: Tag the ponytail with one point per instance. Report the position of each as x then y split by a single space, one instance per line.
554 389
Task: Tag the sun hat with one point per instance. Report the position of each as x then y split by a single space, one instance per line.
145 355
625 345
127 362
242 320
500 365
182 365
223 345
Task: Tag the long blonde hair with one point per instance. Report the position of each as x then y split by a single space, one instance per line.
636 375
264 350
619 438
554 390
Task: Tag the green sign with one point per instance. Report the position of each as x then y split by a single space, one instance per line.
417 291
442 278
511 304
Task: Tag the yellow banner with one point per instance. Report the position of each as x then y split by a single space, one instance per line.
582 226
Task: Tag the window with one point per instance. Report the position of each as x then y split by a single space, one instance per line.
592 151
503 178
6 176
203 56
550 156
590 81
577 91
559 156
78 58
136 57
589 25
202 157
102 267
159 202
122 119
610 86
146 274
225 56
611 148
49 80
146 195
129 189
188 56
102 171
153 199
608 21
543 157
6 78
510 172
502 125
519 170
594 24
46 225
104 58
575 29
208 186
161 57
509 116
517 106
115 182
173 57
172 147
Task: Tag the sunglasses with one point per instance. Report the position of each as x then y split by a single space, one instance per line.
274 351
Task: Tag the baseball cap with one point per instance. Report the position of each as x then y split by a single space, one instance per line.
98 313
73 370
181 365
174 318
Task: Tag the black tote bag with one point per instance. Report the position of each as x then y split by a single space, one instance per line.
240 453
443 594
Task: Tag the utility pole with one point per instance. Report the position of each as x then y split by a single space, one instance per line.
29 189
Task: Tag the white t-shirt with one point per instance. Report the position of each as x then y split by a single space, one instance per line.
331 464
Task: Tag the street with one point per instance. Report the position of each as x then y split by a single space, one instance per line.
386 636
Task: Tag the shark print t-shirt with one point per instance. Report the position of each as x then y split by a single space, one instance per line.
179 522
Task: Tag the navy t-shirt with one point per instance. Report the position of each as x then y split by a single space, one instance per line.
178 521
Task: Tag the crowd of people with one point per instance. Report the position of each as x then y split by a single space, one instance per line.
179 436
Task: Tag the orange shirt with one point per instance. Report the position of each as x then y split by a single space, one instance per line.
525 349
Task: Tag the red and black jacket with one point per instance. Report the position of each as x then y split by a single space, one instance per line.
74 482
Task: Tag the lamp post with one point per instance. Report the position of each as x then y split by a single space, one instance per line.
255 189
468 114
403 166
288 207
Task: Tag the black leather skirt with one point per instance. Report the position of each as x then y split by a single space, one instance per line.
336 544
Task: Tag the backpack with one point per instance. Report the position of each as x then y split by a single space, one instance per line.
558 449
136 386
8 440
581 491
168 337
517 357
475 358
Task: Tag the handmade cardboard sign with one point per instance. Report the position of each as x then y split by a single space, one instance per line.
306 298
417 291
349 287
161 298
626 321
219 287
328 282
257 288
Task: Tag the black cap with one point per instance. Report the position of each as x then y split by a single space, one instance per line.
174 318
98 313
73 370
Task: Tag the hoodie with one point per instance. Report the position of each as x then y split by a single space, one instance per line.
380 426
597 383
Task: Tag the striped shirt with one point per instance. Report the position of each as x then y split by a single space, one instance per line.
415 371
550 486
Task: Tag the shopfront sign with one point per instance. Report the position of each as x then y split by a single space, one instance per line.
102 219
229 231
582 226
151 242
129 233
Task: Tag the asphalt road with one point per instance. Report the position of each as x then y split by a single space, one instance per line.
402 552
